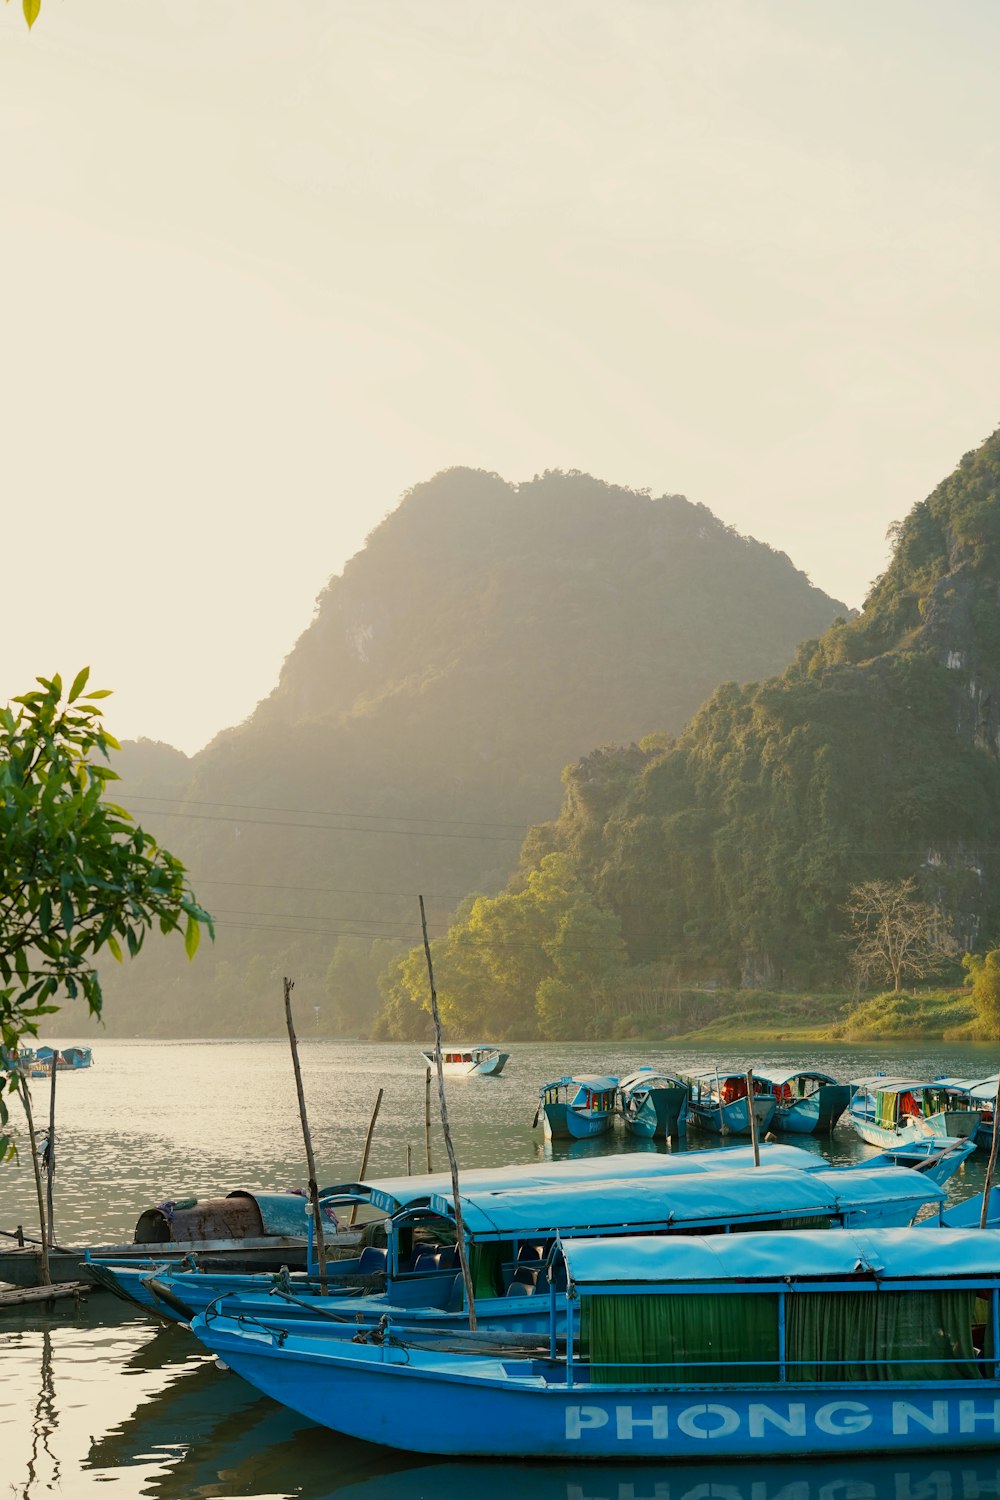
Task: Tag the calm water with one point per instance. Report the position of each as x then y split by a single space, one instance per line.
101 1396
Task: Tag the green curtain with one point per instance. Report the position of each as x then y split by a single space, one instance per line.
663 1339
886 1110
486 1267
840 1335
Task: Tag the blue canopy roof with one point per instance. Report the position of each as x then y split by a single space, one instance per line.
648 1078
886 1253
670 1202
391 1193
785 1075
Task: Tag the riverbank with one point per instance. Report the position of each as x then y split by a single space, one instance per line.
947 1015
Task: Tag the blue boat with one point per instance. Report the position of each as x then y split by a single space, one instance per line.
577 1108
508 1234
885 1111
691 1347
938 1156
808 1102
718 1102
978 1094
653 1105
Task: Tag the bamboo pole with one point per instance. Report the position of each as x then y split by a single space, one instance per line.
368 1147
754 1137
991 1164
427 1118
409 1160
317 1224
50 1156
21 1084
463 1254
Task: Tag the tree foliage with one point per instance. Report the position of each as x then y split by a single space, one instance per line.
984 971
77 873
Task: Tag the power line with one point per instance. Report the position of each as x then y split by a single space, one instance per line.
322 813
413 833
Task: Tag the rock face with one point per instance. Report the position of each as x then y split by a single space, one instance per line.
877 754
487 635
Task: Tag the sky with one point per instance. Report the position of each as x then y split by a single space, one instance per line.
267 263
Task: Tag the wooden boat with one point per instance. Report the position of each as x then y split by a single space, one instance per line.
979 1094
241 1232
718 1102
482 1060
510 1233
577 1108
693 1347
885 1110
653 1105
70 1059
808 1102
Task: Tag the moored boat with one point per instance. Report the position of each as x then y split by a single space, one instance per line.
457 1061
653 1105
718 1102
758 1345
577 1108
885 1110
509 1235
808 1102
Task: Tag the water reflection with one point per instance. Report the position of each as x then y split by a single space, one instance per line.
975 1477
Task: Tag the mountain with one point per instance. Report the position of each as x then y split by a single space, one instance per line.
729 851
487 635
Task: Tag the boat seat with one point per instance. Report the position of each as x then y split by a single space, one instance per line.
532 1252
424 1260
520 1289
456 1297
447 1259
373 1258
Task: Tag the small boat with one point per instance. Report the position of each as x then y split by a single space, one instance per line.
461 1062
761 1345
241 1232
808 1102
976 1093
718 1102
653 1105
885 1111
70 1059
936 1156
577 1108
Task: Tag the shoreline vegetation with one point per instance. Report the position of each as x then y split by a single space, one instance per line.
732 1015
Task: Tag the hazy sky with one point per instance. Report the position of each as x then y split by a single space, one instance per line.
267 263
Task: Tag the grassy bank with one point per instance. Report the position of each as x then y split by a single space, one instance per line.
779 1016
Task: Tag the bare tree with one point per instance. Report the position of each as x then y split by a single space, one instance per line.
896 935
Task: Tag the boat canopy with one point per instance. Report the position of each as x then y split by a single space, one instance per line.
389 1194
785 1075
882 1254
597 1083
672 1202
647 1077
880 1085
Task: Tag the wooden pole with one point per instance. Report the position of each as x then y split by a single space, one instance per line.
50 1156
409 1160
463 1253
427 1118
21 1084
991 1164
368 1147
318 1239
754 1138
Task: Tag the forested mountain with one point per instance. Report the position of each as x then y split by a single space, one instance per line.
727 853
487 635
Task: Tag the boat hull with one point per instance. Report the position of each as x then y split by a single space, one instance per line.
488 1408
560 1122
661 1116
733 1118
957 1124
487 1067
816 1115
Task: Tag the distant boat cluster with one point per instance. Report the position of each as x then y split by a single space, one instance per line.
39 1062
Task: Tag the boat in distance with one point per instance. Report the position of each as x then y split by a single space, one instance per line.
759 1345
577 1108
653 1105
457 1061
718 1102
808 1102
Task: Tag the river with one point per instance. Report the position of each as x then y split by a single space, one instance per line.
101 1395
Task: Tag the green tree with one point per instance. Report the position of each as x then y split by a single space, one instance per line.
984 971
77 874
